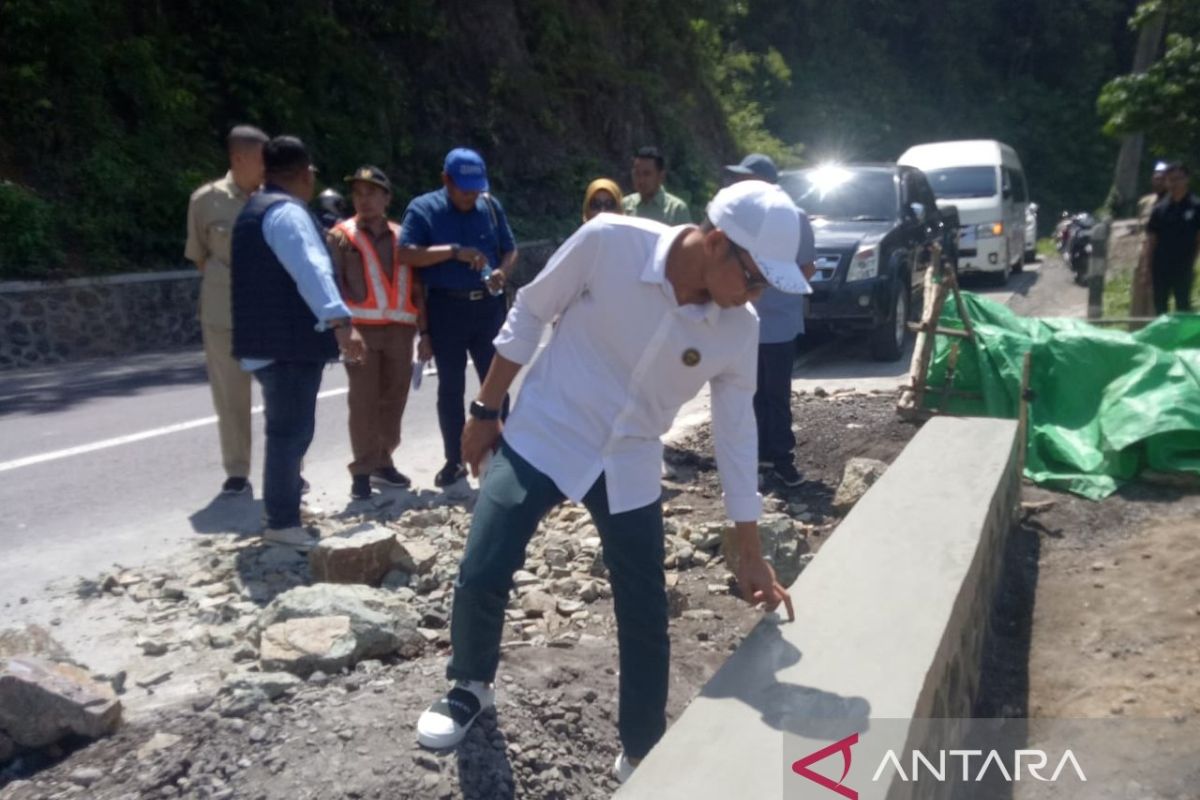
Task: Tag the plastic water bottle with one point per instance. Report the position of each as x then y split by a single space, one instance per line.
485 274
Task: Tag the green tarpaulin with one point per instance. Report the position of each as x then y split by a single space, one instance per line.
1105 404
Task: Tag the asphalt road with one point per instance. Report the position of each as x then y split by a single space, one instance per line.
116 461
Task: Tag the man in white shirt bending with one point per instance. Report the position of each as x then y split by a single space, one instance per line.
647 315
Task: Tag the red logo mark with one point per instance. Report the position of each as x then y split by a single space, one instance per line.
801 767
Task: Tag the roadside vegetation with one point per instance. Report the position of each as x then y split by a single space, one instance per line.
113 112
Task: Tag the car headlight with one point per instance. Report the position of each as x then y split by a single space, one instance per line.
864 264
989 229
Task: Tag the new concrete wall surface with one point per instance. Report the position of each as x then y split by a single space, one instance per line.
891 616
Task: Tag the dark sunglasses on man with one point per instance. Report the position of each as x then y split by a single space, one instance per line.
753 282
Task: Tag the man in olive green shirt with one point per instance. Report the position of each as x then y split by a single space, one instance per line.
649 199
211 214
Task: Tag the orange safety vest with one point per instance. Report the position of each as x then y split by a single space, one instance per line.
387 301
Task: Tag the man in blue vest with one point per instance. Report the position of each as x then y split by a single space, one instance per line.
465 312
289 321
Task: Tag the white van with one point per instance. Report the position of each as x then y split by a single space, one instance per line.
984 180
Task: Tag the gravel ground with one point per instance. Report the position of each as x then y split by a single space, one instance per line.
350 735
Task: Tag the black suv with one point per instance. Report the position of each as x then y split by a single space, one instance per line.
875 227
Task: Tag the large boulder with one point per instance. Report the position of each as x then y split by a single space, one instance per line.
303 646
43 701
382 623
358 557
858 476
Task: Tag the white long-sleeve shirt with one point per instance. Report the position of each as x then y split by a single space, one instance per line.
620 364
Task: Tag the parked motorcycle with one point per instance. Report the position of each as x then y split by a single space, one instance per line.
1073 237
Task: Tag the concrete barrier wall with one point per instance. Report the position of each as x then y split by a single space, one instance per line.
48 322
891 618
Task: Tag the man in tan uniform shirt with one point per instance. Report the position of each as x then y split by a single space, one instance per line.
211 214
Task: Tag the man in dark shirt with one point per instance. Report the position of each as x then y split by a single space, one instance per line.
1172 240
464 314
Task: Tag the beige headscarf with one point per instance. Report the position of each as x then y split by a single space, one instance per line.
606 185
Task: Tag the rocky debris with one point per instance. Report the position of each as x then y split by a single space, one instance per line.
363 556
156 744
857 477
32 640
783 543
414 557
272 684
382 622
43 701
303 645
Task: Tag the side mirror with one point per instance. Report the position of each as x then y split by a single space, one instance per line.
917 210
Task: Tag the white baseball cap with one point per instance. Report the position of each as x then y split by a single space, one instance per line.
761 219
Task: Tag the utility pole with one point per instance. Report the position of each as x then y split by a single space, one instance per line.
1125 178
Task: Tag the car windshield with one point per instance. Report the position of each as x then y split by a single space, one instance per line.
841 193
963 181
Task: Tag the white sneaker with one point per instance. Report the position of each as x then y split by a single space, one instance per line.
297 537
446 722
623 768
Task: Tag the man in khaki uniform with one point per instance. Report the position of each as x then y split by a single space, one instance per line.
649 199
211 214
381 289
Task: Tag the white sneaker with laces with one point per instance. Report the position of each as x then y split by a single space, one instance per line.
623 768
446 722
298 537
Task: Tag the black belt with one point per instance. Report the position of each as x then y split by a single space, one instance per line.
463 294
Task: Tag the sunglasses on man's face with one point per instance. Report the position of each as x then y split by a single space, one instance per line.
753 282
599 204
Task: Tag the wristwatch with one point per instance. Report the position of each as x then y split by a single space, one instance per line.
480 411
341 322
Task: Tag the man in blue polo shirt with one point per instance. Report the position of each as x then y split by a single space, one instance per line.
465 300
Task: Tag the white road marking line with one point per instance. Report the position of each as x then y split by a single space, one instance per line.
55 455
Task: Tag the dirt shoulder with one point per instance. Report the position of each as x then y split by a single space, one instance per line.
351 735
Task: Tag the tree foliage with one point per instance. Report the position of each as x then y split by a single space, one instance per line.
112 111
1164 101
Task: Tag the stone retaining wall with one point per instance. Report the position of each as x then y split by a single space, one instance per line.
51 322
44 322
891 619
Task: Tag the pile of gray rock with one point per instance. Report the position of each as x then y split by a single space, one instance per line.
45 697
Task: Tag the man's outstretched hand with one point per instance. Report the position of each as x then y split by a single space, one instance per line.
757 581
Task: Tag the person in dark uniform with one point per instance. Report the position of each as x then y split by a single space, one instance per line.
464 292
1172 240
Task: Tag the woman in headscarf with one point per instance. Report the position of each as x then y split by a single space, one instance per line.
602 195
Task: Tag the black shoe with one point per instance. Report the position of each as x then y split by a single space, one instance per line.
235 486
390 476
787 474
451 473
360 487
305 488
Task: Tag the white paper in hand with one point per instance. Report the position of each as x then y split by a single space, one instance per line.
418 372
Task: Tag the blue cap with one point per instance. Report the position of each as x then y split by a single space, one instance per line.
466 168
756 165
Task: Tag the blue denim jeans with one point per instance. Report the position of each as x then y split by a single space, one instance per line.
289 391
512 501
457 327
